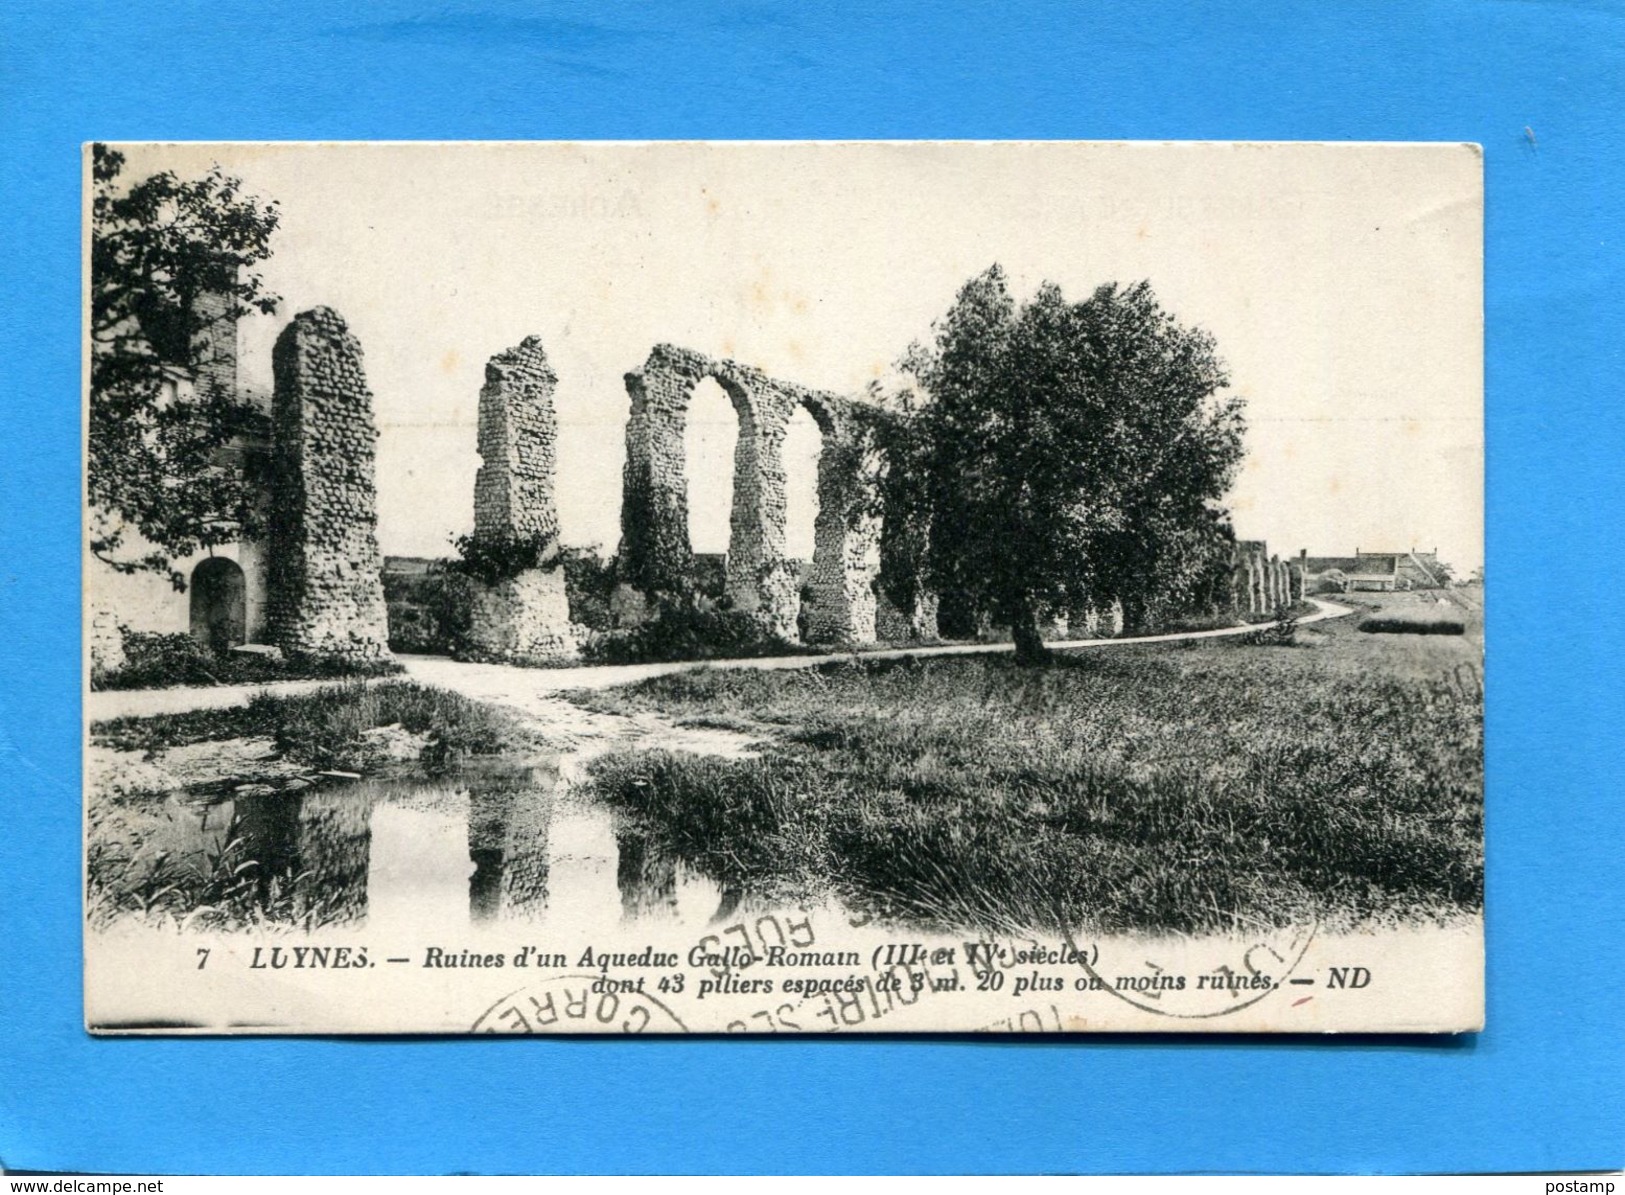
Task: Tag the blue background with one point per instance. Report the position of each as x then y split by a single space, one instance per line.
1538 85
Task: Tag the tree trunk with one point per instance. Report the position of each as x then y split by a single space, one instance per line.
1030 647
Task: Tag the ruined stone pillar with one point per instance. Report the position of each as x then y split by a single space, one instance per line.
1238 586
524 618
1105 621
846 549
761 580
916 624
518 435
325 593
1295 581
655 551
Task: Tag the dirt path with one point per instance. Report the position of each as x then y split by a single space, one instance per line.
533 691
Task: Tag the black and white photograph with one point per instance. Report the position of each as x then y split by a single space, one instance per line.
783 587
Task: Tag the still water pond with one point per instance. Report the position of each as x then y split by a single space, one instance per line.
491 844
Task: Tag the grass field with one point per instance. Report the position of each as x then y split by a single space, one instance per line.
1185 787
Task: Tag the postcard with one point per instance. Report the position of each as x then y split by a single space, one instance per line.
815 587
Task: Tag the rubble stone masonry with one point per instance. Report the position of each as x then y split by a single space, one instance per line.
325 594
525 618
655 551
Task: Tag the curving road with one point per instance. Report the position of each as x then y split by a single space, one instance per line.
514 686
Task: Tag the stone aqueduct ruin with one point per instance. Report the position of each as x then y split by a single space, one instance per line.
761 578
324 583
324 588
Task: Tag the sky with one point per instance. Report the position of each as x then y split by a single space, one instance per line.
1343 284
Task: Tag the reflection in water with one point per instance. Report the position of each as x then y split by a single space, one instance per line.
306 854
491 844
646 874
334 852
508 816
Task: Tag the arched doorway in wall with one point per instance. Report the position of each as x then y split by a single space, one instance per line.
710 437
803 447
219 604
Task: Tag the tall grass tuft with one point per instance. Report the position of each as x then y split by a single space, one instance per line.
326 728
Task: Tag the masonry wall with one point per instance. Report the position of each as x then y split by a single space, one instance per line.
655 551
917 623
325 594
846 553
523 619
518 445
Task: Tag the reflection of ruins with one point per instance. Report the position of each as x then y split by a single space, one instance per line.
646 873
315 845
508 815
495 843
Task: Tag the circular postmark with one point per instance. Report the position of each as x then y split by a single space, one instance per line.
577 1004
1211 981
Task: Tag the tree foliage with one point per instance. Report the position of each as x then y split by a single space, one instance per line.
1073 454
171 260
894 482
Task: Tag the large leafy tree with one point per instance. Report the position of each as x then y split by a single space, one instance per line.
170 260
1075 454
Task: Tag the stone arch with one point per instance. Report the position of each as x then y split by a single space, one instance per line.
219 603
846 538
655 550
655 547
711 425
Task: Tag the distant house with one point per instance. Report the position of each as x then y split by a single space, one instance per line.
1379 572
1423 570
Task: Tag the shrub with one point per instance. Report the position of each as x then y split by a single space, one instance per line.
1282 632
496 560
685 632
154 660
589 580
428 612
1412 624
